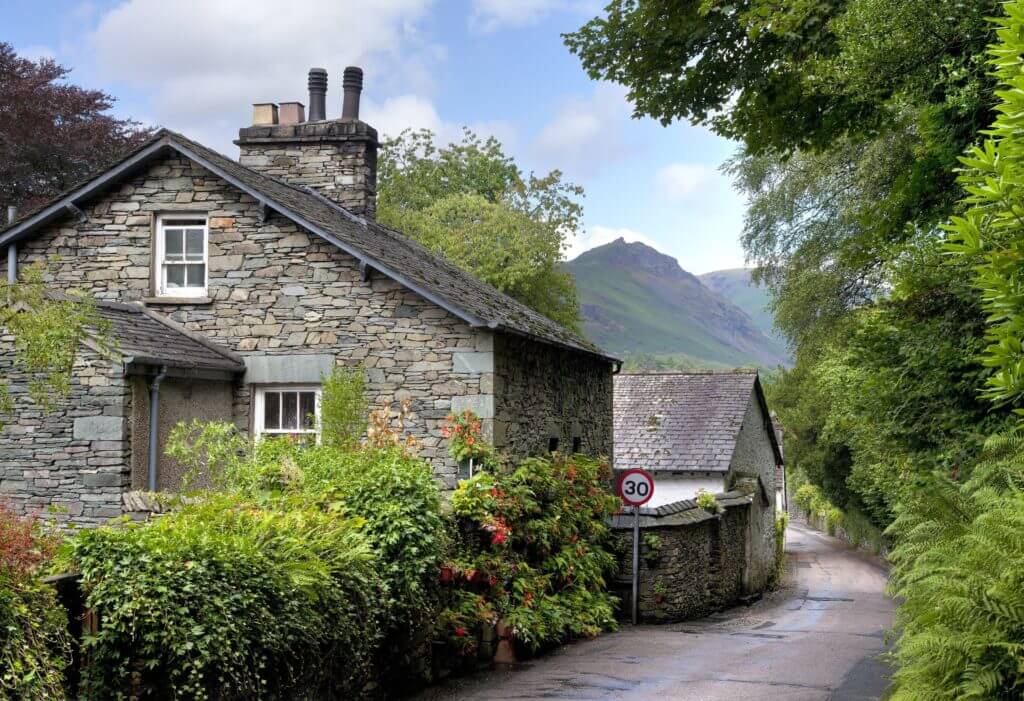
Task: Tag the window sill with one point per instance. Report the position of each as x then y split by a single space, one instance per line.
177 300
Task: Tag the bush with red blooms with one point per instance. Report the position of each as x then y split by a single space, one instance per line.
534 551
465 437
34 644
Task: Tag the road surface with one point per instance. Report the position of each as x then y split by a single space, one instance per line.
817 638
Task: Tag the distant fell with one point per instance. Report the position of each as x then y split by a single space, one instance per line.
736 285
636 300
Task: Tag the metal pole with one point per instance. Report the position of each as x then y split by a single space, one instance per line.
636 563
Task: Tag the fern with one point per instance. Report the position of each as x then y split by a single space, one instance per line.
959 569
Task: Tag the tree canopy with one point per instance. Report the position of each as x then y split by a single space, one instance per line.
471 203
53 133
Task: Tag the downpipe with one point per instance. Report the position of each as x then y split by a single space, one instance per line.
154 415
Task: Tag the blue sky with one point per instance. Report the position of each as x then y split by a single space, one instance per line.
498 66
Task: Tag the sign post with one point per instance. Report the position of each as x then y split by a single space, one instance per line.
636 487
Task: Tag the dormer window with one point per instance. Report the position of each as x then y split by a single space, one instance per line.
181 248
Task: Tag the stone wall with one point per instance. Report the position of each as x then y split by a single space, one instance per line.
71 463
544 393
754 458
277 290
699 567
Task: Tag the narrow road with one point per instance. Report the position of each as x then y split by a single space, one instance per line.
817 638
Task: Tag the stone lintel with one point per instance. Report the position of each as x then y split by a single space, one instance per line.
287 369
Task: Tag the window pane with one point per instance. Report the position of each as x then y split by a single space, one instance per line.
194 244
272 410
307 409
290 410
172 244
175 276
196 275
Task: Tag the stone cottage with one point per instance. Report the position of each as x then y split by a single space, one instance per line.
231 287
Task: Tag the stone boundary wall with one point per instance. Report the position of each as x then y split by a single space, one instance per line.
819 524
701 565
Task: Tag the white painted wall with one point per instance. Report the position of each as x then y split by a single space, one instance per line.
670 488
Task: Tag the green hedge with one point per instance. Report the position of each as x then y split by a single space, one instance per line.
230 599
34 643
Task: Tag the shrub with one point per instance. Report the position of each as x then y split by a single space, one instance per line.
781 522
393 494
958 566
535 548
343 407
229 599
34 643
706 500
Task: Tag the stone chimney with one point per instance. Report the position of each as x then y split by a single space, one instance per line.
337 157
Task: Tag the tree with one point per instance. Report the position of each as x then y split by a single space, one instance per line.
991 231
46 331
471 203
851 114
53 133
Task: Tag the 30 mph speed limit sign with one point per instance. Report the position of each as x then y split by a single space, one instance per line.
636 487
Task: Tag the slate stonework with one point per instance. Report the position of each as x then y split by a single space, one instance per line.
338 158
543 392
75 457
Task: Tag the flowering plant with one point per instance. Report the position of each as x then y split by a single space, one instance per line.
465 437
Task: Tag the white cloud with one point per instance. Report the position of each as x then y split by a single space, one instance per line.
600 235
203 63
37 52
586 134
678 181
491 15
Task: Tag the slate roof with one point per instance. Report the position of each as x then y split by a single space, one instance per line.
678 513
380 247
682 422
145 337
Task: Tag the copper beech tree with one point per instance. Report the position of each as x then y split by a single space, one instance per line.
53 133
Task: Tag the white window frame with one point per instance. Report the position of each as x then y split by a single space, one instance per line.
259 405
161 266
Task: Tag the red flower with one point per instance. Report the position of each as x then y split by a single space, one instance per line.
446 432
498 538
492 580
460 632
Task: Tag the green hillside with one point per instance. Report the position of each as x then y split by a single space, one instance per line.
736 286
636 300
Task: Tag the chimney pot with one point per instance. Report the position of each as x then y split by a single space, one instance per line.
291 113
317 94
352 82
264 113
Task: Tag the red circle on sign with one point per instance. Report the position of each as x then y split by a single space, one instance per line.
635 498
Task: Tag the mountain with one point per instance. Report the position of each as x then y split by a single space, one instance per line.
637 300
736 286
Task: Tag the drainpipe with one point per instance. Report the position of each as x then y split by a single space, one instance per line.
154 409
12 250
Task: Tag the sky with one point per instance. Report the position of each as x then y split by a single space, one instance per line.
497 66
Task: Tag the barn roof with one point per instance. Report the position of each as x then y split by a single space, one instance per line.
683 422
